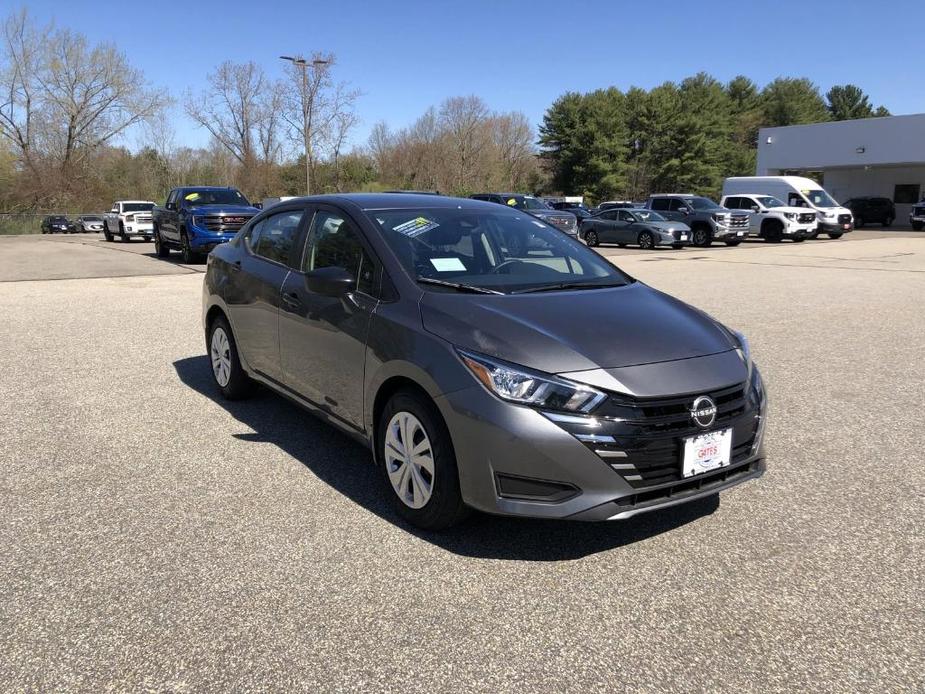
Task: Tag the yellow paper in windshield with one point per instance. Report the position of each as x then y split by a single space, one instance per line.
192 196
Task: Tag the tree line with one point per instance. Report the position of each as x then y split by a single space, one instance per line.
685 136
67 108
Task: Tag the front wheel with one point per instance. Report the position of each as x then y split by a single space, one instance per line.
835 234
417 459
646 241
702 237
733 242
917 226
106 233
799 239
159 248
189 256
122 235
229 375
591 239
888 221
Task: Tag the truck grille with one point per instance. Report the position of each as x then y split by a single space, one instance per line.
806 217
562 222
143 217
225 223
738 221
918 211
844 218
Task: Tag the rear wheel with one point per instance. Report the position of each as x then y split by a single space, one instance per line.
858 222
417 458
646 241
591 238
159 248
229 375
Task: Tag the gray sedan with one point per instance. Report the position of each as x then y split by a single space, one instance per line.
646 228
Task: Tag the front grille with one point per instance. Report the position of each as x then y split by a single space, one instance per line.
642 439
806 217
563 222
143 217
918 211
844 219
738 220
224 224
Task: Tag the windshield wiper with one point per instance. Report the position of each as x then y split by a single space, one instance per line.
569 285
458 286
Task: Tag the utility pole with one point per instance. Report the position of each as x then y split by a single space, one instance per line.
307 98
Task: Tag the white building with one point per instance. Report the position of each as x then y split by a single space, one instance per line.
884 157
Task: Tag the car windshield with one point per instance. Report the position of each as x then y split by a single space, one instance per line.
701 203
648 216
769 201
137 206
819 198
59 220
92 218
214 197
525 202
495 251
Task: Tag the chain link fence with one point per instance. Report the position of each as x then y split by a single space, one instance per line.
31 222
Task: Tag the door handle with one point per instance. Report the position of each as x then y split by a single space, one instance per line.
236 266
292 300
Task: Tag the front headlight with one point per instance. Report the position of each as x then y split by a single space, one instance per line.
829 215
790 215
129 218
744 350
525 387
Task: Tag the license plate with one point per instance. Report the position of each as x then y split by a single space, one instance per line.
684 237
847 226
706 452
741 233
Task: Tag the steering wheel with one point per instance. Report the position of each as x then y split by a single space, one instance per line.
507 263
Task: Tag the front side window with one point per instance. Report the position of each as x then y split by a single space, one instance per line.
335 242
648 216
138 207
275 236
698 203
770 201
626 216
505 251
819 198
660 204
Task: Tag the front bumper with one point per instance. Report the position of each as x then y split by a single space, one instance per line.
514 460
145 230
797 230
916 219
672 238
721 231
834 227
202 241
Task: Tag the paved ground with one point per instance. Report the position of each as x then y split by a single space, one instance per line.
153 537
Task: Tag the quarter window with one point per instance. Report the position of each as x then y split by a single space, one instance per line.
273 237
335 242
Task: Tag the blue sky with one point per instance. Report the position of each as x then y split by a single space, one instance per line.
406 56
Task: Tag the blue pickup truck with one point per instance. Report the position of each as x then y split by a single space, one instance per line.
196 219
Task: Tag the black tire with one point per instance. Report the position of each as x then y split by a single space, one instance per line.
799 239
917 226
835 234
445 507
888 221
814 234
106 234
238 385
186 251
858 222
702 237
160 249
773 231
122 235
646 241
621 245
591 238
733 242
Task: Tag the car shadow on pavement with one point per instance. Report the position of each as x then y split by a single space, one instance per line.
345 465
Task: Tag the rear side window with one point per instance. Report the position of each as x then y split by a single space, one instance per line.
676 204
660 204
736 203
274 237
335 242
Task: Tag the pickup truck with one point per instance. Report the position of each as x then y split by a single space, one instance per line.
707 220
196 219
128 218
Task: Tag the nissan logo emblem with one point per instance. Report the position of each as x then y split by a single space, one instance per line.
703 411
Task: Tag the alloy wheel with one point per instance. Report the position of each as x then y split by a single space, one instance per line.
591 238
645 240
220 352
409 460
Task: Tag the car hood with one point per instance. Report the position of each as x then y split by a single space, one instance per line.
577 330
667 226
223 209
550 214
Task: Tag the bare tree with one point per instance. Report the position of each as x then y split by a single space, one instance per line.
63 99
463 119
513 139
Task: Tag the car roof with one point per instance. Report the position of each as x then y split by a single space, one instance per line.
392 201
675 195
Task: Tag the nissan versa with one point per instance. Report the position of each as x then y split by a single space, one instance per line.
489 361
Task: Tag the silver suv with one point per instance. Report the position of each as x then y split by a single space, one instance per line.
707 220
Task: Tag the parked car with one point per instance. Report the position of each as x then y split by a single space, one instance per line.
871 209
564 221
917 216
797 191
617 204
58 224
90 222
771 219
646 228
707 220
196 219
129 218
502 366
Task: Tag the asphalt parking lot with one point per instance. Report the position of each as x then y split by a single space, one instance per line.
157 538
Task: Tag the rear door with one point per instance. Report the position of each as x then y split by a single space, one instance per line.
254 287
323 338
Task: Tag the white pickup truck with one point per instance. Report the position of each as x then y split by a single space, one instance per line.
129 218
771 219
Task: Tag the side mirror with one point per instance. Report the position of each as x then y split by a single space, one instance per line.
258 205
330 281
755 208
684 210
171 206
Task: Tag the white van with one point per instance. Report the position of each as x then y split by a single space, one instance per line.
796 191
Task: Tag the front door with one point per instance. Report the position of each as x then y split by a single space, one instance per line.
254 288
323 338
